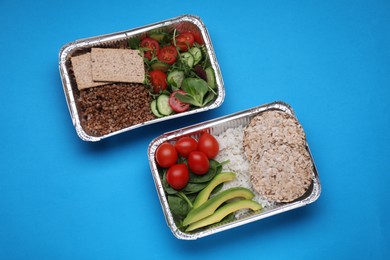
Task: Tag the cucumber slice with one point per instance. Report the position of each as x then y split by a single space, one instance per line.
163 106
175 78
153 107
188 59
196 53
158 35
211 77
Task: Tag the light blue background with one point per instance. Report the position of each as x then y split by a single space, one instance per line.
62 198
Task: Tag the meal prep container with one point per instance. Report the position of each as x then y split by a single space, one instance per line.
216 127
70 88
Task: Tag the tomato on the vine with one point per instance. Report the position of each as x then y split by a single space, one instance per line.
209 145
185 145
178 176
151 46
198 162
166 155
167 54
184 41
177 105
158 79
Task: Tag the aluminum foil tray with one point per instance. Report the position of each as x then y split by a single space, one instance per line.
216 127
83 45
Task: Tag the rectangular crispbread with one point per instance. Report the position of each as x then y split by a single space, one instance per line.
82 69
118 65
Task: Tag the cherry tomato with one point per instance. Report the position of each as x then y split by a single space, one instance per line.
166 155
158 80
184 41
177 105
191 28
198 162
185 145
209 145
167 54
198 37
152 47
178 176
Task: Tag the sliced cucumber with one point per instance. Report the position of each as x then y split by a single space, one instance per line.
188 59
211 77
175 78
196 53
153 107
158 35
163 106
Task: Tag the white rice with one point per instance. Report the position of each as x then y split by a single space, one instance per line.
231 148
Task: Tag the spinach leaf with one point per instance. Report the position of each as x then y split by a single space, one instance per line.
196 90
194 187
178 205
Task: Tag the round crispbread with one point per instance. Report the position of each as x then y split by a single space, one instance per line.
282 174
280 164
270 128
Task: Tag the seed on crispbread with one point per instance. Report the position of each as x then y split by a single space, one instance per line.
83 72
280 165
117 65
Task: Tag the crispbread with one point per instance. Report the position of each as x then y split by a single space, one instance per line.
272 128
282 174
280 165
83 71
118 65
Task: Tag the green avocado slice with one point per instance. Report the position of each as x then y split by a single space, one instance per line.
204 195
223 212
209 207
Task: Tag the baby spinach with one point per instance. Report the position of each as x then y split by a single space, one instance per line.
192 188
198 92
180 204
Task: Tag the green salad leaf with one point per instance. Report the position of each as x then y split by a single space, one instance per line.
197 92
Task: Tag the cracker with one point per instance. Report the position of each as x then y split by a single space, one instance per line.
283 173
118 65
280 165
83 72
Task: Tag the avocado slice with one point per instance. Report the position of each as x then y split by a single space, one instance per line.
209 207
224 211
204 195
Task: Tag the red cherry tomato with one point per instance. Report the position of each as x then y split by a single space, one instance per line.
166 155
184 41
167 54
209 145
185 145
198 162
177 105
158 79
198 37
151 46
178 176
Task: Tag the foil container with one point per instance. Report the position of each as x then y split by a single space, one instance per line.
216 127
70 88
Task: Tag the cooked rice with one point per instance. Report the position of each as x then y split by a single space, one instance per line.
231 148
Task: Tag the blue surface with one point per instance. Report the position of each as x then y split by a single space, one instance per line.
62 198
